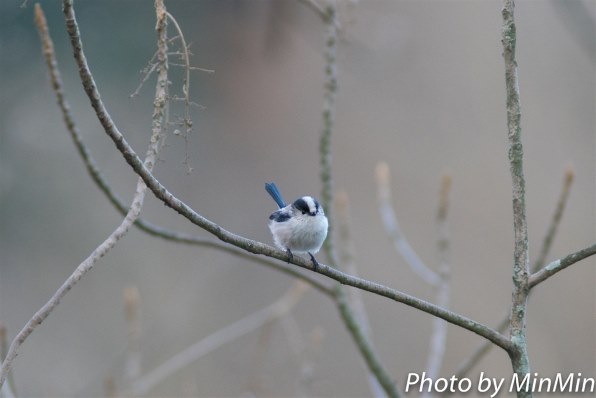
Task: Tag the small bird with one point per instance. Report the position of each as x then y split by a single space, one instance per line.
299 227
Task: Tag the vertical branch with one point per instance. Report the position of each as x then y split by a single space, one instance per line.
160 103
519 353
329 99
346 312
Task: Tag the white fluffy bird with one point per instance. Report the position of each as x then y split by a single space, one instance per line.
298 227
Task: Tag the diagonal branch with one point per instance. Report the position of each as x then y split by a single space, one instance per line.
320 11
559 265
556 220
239 241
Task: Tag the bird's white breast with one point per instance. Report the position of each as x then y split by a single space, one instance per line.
302 233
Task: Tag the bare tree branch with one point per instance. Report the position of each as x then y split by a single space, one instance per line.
521 268
244 243
555 221
559 265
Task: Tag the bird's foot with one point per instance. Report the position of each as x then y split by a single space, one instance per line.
290 255
315 263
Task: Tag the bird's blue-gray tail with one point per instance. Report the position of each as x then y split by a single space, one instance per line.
271 188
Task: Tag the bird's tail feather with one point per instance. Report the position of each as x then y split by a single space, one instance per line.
272 189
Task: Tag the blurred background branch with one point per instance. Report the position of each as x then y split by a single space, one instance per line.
394 231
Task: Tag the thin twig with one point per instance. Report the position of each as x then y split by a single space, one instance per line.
394 231
186 90
146 74
559 265
186 84
246 244
193 68
137 202
149 69
320 11
556 220
219 338
521 268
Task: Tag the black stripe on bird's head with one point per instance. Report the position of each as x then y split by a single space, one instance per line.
307 205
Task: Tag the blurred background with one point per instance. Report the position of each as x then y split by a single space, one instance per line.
421 86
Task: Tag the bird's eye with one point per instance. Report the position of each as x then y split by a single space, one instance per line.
303 213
